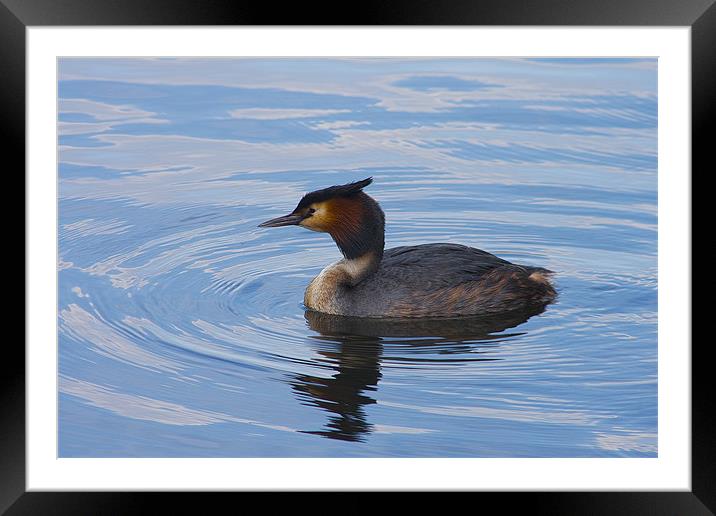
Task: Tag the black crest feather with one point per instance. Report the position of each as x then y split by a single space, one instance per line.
331 192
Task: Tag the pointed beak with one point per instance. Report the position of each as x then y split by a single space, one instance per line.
287 220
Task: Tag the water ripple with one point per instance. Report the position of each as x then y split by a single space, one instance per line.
179 317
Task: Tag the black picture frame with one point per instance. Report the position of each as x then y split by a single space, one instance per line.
700 15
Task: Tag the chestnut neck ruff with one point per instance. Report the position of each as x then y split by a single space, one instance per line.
357 226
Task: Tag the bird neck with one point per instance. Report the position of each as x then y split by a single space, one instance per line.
360 232
356 270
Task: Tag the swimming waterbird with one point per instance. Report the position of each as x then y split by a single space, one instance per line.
427 280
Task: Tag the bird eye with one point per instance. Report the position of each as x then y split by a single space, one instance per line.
311 211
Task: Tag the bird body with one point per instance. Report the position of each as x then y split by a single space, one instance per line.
428 280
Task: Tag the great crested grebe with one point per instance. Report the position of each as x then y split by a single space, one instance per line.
428 280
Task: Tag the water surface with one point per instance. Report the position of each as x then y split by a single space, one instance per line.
181 326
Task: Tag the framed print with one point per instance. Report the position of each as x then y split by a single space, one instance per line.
177 341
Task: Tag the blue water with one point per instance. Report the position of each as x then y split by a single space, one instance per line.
181 326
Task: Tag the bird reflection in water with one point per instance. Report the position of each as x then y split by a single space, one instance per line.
353 347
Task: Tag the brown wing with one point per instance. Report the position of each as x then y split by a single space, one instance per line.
438 264
448 279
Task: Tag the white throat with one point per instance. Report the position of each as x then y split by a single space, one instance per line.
358 268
